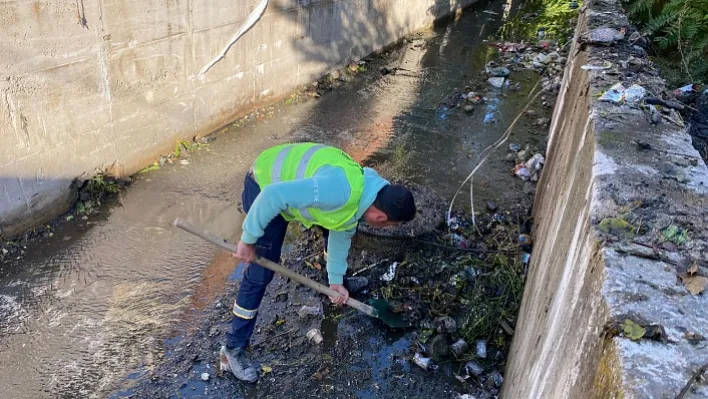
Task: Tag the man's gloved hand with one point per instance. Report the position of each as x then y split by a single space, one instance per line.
245 252
342 299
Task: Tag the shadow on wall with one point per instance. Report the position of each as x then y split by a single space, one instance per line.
42 197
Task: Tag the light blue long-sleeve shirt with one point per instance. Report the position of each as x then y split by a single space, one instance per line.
328 189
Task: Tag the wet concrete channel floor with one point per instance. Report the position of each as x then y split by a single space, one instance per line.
92 310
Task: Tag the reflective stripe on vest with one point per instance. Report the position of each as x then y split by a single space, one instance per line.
299 161
301 166
244 313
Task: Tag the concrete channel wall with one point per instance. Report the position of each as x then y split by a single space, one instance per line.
612 185
91 85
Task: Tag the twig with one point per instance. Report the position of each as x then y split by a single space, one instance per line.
368 267
480 251
273 337
693 379
252 19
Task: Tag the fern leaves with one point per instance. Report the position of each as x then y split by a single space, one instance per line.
680 25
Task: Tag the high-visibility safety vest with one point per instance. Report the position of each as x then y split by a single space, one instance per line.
297 161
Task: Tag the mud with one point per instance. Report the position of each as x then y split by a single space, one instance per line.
430 215
120 304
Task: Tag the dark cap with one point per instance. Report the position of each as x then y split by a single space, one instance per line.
396 202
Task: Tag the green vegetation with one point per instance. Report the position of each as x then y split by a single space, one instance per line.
679 31
99 187
550 16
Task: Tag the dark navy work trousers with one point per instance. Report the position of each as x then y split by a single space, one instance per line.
256 278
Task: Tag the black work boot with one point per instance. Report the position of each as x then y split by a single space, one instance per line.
355 284
239 362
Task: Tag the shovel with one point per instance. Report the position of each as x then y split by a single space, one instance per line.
379 308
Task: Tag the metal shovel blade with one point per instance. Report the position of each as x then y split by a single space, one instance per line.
384 313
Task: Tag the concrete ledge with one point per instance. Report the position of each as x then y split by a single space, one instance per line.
609 163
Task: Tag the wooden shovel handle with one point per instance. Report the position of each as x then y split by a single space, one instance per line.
268 264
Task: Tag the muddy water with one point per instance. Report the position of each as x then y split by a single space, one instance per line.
101 300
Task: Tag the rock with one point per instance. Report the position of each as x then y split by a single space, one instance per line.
604 35
439 346
497 82
445 324
468 108
309 311
334 75
184 162
492 206
205 376
543 122
522 155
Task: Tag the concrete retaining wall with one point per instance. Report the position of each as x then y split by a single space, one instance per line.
93 84
612 182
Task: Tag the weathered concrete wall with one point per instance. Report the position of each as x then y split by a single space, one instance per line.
608 162
95 84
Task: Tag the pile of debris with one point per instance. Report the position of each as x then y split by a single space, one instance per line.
462 286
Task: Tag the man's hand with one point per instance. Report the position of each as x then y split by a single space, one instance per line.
245 252
342 298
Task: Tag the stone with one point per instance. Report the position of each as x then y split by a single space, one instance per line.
492 206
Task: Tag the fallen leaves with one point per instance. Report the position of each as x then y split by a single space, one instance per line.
694 283
675 234
632 330
694 338
265 370
313 265
321 373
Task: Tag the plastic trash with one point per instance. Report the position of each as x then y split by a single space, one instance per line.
522 172
591 67
526 258
541 59
690 88
474 368
497 82
634 94
459 240
541 33
525 239
315 336
423 362
515 147
459 347
309 311
498 71
481 348
535 163
614 94
391 273
205 376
